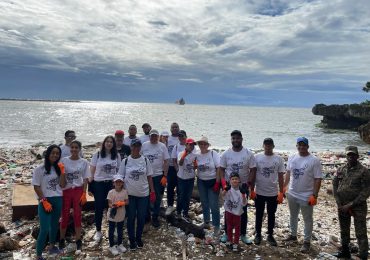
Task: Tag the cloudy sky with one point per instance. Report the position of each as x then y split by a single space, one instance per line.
257 52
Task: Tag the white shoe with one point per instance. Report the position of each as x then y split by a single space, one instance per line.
113 250
78 252
97 237
169 210
121 248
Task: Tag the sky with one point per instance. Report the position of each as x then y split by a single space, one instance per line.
258 52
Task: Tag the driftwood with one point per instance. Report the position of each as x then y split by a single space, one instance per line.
8 244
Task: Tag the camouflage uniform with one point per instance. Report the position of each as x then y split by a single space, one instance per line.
352 185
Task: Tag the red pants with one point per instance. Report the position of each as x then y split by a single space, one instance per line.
71 197
233 222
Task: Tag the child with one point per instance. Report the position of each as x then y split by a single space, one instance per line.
235 199
117 199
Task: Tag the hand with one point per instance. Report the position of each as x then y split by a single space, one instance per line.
280 198
152 197
91 179
164 181
253 195
346 208
223 183
62 169
46 205
312 201
228 187
120 203
184 154
83 199
216 187
243 189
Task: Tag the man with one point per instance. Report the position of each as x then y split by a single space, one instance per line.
351 188
238 159
132 131
146 129
172 171
122 149
269 182
157 154
304 186
69 136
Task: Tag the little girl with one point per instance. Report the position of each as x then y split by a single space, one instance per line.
235 199
117 199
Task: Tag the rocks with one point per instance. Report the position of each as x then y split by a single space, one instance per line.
2 228
364 131
8 244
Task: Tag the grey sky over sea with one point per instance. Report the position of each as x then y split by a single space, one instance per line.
274 53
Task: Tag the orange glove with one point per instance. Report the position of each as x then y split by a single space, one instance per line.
61 167
83 199
164 181
223 183
253 195
280 197
312 201
120 203
46 204
184 154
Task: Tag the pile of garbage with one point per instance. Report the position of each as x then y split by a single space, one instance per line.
17 239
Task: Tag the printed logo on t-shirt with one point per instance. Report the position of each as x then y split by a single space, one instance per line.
170 148
267 171
298 172
189 168
52 184
230 204
152 157
236 167
110 169
204 167
135 174
70 176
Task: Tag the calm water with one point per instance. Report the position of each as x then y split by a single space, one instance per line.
26 123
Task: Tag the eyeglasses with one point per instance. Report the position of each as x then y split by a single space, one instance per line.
71 137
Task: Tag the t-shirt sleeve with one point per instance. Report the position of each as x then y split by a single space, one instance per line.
281 165
223 160
317 169
36 177
94 159
216 158
122 168
173 153
252 161
288 166
118 161
149 169
110 195
86 174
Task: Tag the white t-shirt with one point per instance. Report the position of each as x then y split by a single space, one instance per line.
49 183
106 168
303 171
240 162
172 141
186 171
144 138
234 202
127 140
76 171
115 196
135 174
267 177
66 151
156 154
207 165
178 148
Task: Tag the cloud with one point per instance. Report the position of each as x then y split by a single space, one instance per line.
192 80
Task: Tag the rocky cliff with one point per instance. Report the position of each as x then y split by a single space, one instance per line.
354 116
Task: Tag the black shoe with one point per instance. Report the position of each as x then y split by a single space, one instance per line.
257 239
271 240
139 244
79 244
342 254
62 243
155 223
133 246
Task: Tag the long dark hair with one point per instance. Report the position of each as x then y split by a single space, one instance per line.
113 152
47 161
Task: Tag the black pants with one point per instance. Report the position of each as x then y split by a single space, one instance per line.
171 185
101 189
271 209
112 227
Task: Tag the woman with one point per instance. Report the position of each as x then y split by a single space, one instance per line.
186 174
208 165
48 180
137 173
74 193
163 138
104 165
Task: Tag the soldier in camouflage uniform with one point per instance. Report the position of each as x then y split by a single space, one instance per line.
351 188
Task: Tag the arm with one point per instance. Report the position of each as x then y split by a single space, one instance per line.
287 180
165 167
62 179
175 164
38 191
92 170
281 182
252 177
110 204
150 181
316 187
365 192
218 176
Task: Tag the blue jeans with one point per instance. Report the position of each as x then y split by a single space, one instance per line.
137 209
295 205
101 189
185 190
209 201
159 189
171 185
112 227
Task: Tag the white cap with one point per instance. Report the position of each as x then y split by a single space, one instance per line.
117 177
165 133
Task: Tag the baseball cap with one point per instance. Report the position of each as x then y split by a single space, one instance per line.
234 174
153 132
268 141
190 141
135 141
302 140
351 149
182 133
145 124
117 177
119 132
236 132
203 139
165 133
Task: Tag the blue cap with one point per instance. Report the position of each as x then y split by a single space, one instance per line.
136 141
302 139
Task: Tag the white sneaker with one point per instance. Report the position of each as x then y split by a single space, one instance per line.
121 248
78 252
113 250
97 237
169 210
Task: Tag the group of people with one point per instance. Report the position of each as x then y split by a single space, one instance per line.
130 175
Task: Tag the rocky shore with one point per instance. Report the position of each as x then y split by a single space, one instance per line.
168 242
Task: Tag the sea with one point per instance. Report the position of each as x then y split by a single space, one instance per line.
26 123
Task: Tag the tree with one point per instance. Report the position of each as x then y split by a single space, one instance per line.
366 88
